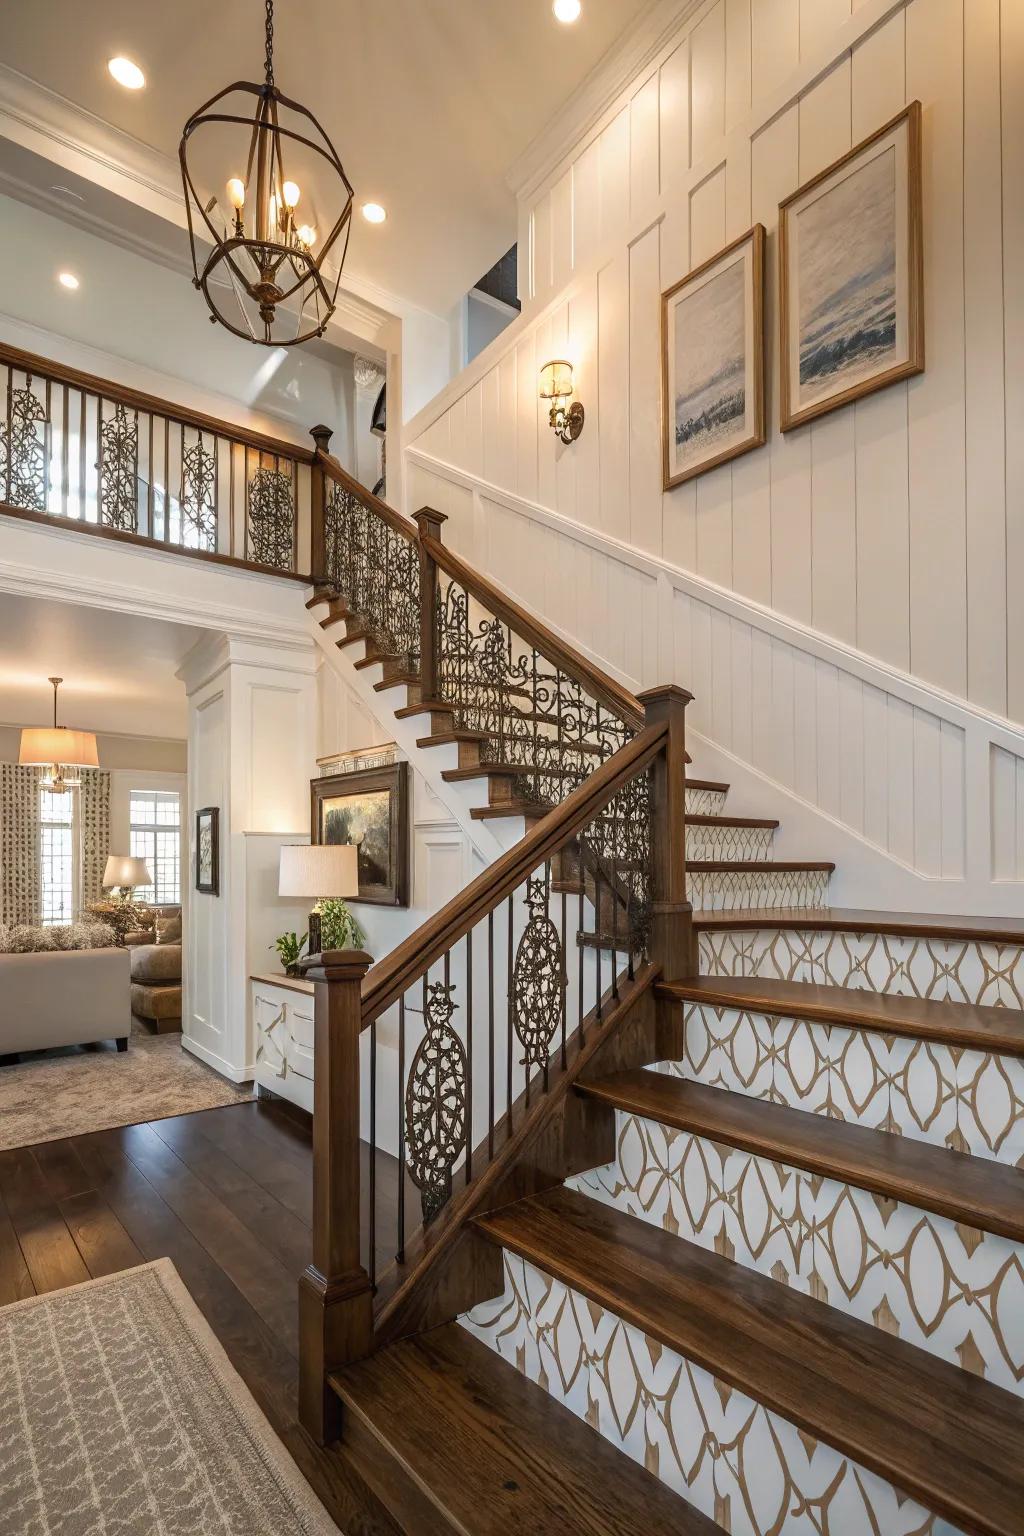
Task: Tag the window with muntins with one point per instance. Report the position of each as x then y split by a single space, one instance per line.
57 855
155 827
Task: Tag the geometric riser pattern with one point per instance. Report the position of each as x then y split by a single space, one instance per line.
744 1467
709 842
952 1290
729 890
954 970
704 802
966 1100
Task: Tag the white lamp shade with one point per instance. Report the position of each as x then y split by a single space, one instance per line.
42 746
319 869
123 870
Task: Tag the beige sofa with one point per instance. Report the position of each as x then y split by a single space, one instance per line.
64 997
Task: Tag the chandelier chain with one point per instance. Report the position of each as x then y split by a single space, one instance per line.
269 66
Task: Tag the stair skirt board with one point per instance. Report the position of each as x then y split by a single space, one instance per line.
967 1100
957 970
728 842
735 889
745 1467
948 1288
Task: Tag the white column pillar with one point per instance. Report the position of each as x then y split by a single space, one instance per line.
252 752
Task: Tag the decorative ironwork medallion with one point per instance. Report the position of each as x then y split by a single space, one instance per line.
23 451
539 979
435 1103
271 518
198 497
119 471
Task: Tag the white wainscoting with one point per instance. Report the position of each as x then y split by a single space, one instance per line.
892 526
917 796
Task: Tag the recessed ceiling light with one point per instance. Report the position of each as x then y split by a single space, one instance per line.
373 213
566 10
67 280
126 73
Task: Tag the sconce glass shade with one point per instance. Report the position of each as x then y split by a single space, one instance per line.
556 380
44 746
124 870
319 869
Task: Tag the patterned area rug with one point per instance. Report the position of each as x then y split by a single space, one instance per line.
120 1412
49 1095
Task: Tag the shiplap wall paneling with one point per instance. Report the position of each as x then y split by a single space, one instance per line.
1007 771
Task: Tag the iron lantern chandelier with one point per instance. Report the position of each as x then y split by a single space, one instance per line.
264 278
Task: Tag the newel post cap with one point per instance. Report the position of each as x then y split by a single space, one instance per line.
664 695
336 965
429 521
321 436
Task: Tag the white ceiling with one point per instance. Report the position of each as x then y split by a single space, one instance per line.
428 102
118 669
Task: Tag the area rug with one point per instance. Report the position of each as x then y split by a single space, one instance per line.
120 1412
48 1096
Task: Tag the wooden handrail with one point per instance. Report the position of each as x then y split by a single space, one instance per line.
395 520
392 977
60 373
610 694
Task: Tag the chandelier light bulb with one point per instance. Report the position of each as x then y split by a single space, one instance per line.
566 11
307 235
290 192
236 193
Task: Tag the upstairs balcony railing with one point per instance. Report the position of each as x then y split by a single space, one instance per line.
89 454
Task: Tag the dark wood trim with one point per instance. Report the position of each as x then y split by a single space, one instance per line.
925 925
429 524
610 694
142 541
391 977
89 383
387 514
672 946
981 1194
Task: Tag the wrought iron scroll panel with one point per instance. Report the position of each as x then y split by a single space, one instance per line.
538 718
68 450
377 571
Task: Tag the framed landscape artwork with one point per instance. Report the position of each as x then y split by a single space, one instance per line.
368 807
712 361
208 851
851 306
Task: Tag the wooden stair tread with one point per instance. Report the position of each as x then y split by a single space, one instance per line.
786 865
513 808
404 681
973 1190
374 661
424 707
495 1454
929 925
941 1434
730 821
974 1025
721 789
488 770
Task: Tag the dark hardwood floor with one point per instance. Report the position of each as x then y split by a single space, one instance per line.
226 1195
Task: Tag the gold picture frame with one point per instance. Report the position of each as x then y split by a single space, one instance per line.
713 361
851 275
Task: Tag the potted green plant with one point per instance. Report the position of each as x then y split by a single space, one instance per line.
289 947
339 928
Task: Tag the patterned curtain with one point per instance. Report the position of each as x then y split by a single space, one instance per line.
20 893
94 831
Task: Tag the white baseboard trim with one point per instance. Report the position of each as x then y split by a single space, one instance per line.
218 1063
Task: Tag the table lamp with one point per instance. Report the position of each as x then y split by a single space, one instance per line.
315 871
125 873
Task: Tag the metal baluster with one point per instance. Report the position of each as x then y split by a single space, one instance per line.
400 1252
231 498
48 446
10 435
508 1022
490 1034
151 529
565 963
614 894
469 1055
579 936
597 934
82 510
64 451
371 1267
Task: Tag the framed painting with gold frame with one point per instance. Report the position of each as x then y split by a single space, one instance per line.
368 807
851 304
712 361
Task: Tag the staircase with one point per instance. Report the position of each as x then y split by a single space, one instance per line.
736 1245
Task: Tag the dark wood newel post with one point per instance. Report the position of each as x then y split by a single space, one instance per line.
335 1295
672 937
429 524
318 498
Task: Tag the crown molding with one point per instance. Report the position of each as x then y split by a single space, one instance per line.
615 70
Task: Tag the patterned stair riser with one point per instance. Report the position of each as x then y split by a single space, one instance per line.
967 1100
950 1289
958 970
704 842
743 1466
705 802
739 889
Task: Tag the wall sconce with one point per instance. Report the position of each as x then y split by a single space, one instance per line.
556 386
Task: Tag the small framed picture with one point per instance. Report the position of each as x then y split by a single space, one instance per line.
851 303
368 807
208 850
712 361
